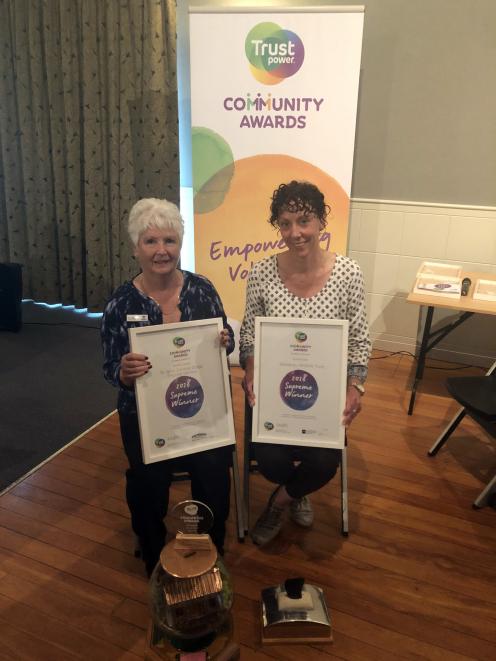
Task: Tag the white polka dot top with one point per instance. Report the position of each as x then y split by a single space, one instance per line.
342 297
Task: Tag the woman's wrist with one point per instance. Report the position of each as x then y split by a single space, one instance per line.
126 384
357 385
355 382
244 357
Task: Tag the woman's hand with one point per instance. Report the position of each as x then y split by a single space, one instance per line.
133 365
247 381
224 338
353 405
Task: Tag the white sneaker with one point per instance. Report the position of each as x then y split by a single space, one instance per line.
301 511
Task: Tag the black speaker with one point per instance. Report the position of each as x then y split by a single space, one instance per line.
10 297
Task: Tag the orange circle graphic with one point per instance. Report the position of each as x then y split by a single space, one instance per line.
223 235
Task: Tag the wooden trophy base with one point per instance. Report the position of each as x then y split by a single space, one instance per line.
295 634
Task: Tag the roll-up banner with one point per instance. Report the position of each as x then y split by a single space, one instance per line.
273 98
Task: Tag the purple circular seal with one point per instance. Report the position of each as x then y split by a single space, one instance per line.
299 390
184 397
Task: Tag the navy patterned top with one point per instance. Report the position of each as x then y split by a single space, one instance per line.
198 300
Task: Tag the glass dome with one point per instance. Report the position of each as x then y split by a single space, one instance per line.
190 608
190 590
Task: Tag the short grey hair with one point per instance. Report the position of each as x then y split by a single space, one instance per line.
152 212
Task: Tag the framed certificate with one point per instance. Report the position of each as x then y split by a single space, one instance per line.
300 381
184 402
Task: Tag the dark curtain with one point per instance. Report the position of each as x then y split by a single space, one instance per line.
88 125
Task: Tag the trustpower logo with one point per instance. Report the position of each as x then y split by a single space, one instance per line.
179 341
273 53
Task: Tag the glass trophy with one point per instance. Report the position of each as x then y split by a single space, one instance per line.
190 589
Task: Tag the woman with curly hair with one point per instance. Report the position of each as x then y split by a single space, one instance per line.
302 281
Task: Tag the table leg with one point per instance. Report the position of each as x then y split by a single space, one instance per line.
421 357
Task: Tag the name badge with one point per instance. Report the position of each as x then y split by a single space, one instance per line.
137 317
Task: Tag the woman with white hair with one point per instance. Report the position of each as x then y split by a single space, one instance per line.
160 293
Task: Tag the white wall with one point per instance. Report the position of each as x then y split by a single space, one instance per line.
426 130
390 240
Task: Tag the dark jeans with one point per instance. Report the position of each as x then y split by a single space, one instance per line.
316 468
147 489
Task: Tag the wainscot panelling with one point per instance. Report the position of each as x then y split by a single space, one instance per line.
391 239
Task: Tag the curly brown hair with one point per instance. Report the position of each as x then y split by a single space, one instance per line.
298 196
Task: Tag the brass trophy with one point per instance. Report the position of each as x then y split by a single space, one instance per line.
295 612
190 593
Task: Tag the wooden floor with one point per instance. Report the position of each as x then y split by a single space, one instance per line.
415 579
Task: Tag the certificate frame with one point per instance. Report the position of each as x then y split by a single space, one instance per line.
300 381
184 401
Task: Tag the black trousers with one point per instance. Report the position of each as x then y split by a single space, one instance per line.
147 489
317 466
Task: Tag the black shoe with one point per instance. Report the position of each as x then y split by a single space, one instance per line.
269 523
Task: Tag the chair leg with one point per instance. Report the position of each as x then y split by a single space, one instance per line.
485 495
344 493
441 440
246 465
238 497
246 494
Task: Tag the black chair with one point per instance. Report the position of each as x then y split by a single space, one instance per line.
250 466
477 395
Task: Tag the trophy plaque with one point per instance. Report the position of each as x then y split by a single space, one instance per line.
192 552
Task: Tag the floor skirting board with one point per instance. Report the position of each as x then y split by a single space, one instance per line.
396 345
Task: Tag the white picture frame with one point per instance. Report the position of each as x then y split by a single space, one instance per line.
300 381
184 402
485 290
439 270
437 279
